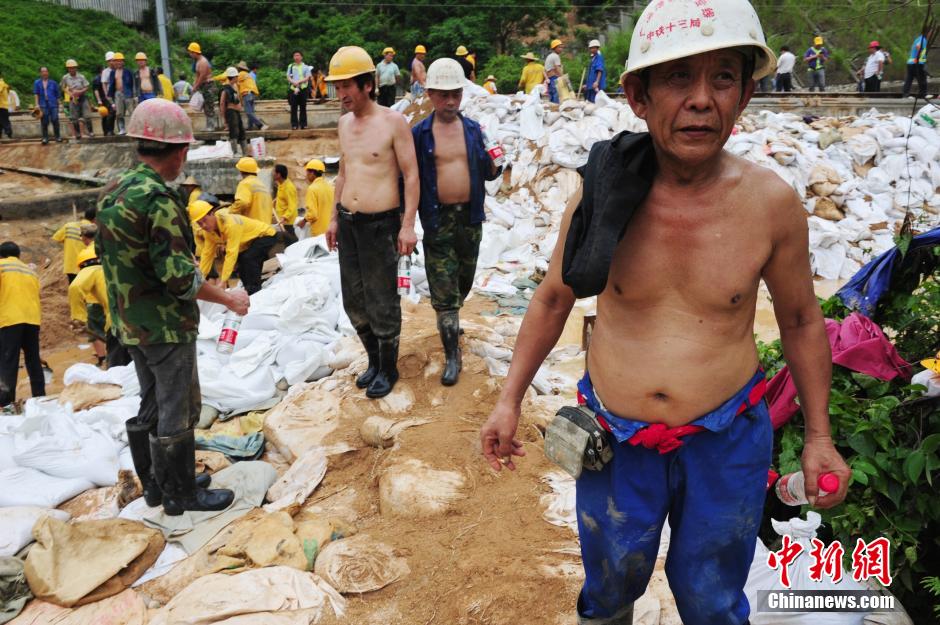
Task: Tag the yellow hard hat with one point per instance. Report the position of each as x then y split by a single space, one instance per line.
349 61
103 111
461 51
387 50
194 47
315 165
247 164
817 41
198 210
118 56
86 255
71 63
419 49
140 56
555 43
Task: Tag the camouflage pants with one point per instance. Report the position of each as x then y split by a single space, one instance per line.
210 95
450 256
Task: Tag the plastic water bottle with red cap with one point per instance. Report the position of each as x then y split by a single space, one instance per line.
791 488
494 149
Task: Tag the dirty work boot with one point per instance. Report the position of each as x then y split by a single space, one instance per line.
388 369
138 440
448 324
174 467
372 349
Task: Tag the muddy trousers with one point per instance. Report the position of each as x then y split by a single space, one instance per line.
712 488
50 116
450 256
169 386
236 131
20 337
251 262
368 271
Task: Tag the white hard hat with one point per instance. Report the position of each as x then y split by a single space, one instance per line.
594 44
445 74
108 56
231 72
670 32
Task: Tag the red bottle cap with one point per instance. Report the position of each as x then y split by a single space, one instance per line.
828 482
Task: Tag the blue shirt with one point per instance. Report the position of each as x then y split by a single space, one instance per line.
597 65
478 161
127 84
919 46
48 99
816 63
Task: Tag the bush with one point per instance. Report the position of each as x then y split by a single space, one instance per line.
889 435
506 69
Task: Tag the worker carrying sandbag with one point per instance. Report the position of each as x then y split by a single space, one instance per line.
153 283
247 242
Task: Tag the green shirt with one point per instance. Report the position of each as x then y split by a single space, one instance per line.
145 243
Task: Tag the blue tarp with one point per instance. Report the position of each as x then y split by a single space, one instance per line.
872 281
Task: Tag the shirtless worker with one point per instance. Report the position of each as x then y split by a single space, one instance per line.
367 224
203 82
453 165
673 336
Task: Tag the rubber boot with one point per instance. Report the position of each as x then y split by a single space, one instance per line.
244 147
448 324
120 125
372 349
387 375
138 435
174 466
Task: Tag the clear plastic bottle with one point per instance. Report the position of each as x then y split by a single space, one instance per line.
494 149
404 274
229 333
791 488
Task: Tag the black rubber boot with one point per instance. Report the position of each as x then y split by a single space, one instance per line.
387 375
372 349
448 324
138 435
174 466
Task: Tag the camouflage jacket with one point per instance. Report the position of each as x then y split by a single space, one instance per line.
145 243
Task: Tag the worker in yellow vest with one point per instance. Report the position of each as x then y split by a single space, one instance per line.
88 301
19 324
318 199
247 243
252 197
533 74
248 93
285 203
70 236
166 85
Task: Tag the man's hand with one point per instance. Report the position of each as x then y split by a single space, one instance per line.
497 436
331 235
595 85
820 456
407 240
238 302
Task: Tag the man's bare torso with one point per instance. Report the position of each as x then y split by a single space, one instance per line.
369 161
450 159
674 333
203 72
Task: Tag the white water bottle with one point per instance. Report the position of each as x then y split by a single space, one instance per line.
494 149
404 274
791 488
229 333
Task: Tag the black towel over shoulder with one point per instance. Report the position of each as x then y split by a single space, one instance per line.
617 177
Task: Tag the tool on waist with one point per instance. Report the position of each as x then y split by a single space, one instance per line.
575 441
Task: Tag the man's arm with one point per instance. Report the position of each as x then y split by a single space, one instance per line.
541 327
805 345
338 183
408 164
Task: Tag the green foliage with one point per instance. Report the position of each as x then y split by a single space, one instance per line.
889 435
506 70
33 34
932 585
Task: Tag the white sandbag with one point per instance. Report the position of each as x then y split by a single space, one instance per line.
125 377
301 479
411 488
16 526
23 486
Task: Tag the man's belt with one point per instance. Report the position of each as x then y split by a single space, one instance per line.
345 215
456 207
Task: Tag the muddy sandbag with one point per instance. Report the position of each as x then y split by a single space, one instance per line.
413 489
83 395
268 541
827 209
381 432
301 479
360 564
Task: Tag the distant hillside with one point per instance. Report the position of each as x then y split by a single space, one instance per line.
38 33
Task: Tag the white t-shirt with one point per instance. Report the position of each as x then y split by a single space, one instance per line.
552 61
785 63
871 65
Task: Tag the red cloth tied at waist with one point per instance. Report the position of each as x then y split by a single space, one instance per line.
665 439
